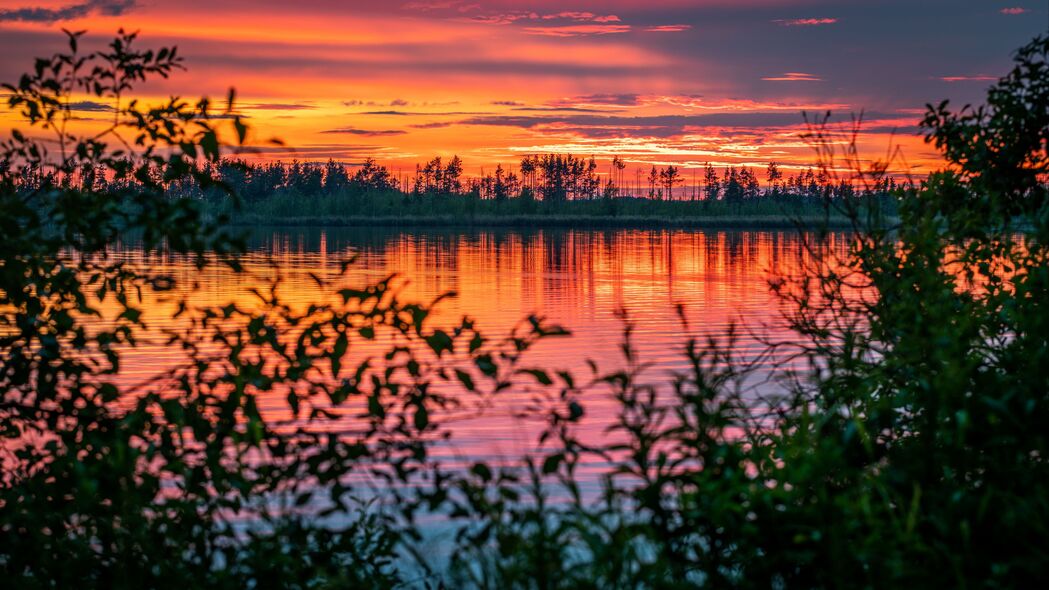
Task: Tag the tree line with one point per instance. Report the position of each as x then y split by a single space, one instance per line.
547 177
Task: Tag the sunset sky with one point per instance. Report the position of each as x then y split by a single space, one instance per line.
659 81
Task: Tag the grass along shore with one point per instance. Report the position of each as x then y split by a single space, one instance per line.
562 221
392 209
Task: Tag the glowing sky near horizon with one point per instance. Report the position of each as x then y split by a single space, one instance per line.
660 81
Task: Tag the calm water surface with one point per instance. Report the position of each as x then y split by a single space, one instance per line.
576 278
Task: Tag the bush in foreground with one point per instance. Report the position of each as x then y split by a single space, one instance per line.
907 445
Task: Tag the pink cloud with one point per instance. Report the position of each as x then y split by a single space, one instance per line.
1015 10
794 77
977 78
503 19
512 17
805 22
668 28
583 16
577 30
433 5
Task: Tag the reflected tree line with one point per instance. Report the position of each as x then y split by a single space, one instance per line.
561 248
570 253
549 264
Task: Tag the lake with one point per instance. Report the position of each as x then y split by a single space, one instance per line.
576 278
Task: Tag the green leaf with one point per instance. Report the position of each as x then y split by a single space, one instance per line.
338 351
421 418
242 130
486 365
575 411
375 407
439 342
540 375
482 471
551 462
465 379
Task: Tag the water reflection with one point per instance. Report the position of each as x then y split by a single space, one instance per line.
572 276
576 278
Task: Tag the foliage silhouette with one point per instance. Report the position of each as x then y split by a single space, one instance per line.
906 445
183 481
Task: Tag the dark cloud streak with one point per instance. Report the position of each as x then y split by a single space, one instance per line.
422 114
274 106
69 12
365 132
90 106
657 125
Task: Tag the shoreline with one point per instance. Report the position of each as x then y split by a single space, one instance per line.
553 221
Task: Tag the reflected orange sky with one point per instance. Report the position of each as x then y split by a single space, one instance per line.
574 278
658 82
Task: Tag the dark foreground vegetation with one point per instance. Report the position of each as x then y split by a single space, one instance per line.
907 448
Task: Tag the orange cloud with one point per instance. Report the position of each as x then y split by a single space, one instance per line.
349 79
